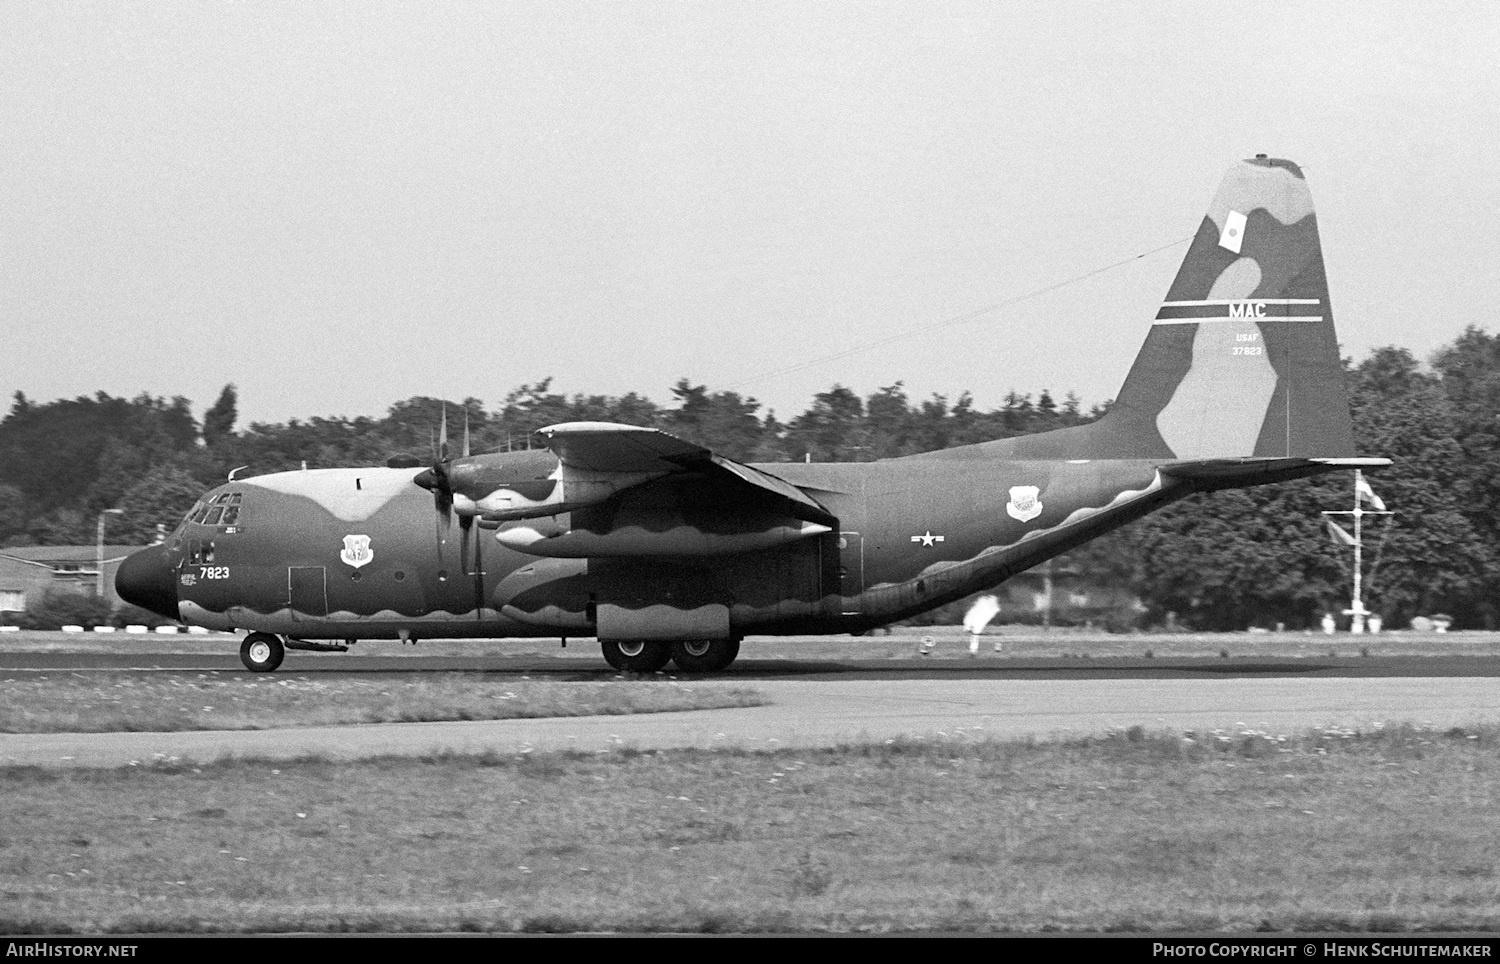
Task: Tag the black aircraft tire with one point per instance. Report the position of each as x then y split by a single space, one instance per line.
262 652
704 655
636 655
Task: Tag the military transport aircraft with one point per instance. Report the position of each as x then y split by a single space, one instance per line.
663 550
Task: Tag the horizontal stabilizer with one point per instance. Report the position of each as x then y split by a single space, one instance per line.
1253 471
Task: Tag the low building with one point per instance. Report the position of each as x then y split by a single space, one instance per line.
27 572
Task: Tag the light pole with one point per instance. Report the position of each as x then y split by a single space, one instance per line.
101 546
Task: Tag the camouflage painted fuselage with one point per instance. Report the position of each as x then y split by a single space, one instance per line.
908 535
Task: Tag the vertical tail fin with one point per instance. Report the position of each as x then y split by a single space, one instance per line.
1242 359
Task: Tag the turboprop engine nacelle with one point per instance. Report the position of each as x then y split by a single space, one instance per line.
504 487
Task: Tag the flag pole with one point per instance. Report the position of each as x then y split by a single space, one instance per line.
1357 605
1356 610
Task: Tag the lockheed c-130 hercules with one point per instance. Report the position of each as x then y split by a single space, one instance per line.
664 551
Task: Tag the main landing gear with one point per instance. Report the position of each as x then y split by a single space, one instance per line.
704 655
262 652
690 655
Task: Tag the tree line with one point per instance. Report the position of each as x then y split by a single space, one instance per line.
1222 561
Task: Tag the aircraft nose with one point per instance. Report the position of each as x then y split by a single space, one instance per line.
145 579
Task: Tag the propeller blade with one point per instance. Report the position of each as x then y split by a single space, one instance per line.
478 570
438 481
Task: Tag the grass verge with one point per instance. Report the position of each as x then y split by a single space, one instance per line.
1390 829
160 703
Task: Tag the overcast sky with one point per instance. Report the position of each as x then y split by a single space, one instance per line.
340 205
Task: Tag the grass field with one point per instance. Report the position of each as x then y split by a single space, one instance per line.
1389 830
104 702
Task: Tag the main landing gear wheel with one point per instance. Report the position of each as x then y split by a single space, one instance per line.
636 655
262 652
704 655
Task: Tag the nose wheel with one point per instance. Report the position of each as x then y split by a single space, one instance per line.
262 652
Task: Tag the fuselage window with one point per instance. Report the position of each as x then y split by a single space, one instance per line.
200 553
213 515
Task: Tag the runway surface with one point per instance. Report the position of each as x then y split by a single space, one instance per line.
824 692
823 712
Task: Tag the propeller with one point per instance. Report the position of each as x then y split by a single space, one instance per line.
465 522
438 479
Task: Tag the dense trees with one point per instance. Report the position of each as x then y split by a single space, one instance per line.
1263 556
1226 560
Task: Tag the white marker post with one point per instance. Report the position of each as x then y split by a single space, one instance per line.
979 616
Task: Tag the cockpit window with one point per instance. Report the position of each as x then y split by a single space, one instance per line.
222 509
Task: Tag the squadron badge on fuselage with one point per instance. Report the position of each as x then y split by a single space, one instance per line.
357 551
1024 504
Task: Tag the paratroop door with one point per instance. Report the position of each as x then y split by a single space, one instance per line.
307 590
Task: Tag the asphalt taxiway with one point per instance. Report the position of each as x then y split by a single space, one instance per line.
821 703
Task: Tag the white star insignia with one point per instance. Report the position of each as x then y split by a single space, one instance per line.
927 538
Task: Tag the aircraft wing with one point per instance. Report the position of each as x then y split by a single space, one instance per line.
611 448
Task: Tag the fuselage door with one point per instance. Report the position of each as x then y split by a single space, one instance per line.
307 591
851 572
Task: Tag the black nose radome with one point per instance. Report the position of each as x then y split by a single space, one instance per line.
145 579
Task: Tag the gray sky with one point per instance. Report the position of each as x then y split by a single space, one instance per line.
340 205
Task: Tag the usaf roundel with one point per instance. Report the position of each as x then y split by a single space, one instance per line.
1024 503
357 551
